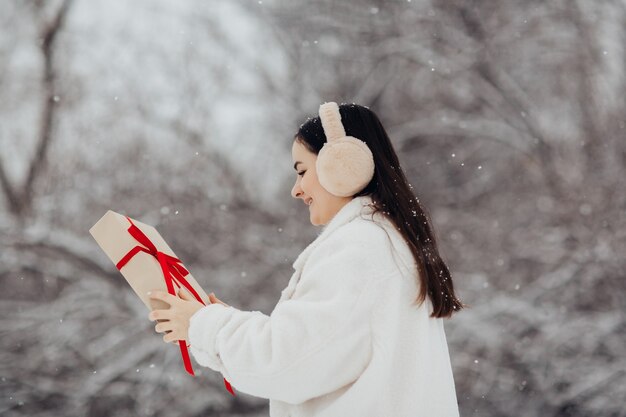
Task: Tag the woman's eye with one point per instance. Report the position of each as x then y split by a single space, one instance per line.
301 173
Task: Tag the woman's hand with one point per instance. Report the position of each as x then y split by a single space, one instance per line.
176 324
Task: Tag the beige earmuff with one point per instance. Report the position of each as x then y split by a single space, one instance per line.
345 164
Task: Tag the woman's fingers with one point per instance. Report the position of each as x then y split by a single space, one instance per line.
163 326
168 338
163 296
160 315
184 294
213 299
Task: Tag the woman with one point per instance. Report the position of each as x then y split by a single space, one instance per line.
358 331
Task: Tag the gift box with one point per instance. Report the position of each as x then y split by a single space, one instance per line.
147 262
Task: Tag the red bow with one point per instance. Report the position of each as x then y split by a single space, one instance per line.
173 272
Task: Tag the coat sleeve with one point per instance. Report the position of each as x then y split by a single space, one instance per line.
312 344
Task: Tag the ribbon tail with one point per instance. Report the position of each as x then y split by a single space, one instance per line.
172 276
187 361
185 354
169 281
228 387
182 282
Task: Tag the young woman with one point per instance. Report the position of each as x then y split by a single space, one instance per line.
358 331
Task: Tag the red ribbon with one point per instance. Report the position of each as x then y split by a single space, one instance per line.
173 272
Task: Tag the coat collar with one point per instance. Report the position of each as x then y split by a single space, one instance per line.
355 207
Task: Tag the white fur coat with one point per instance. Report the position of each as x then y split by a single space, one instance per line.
344 339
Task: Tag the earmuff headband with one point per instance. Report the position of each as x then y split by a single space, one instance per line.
331 121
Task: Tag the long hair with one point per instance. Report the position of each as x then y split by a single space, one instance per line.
393 195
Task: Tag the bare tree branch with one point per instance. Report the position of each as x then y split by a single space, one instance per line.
20 202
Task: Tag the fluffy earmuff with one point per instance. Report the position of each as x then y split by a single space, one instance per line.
345 164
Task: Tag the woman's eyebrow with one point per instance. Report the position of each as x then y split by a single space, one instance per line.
295 166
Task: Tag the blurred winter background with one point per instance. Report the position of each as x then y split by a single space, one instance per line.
508 117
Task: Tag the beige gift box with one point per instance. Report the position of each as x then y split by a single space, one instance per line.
147 262
143 271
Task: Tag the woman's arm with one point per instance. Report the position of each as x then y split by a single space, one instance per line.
310 345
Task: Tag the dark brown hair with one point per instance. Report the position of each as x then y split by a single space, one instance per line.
392 195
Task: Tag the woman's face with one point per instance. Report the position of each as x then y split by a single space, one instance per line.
324 204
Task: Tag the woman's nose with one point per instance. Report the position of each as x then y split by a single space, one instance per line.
296 191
